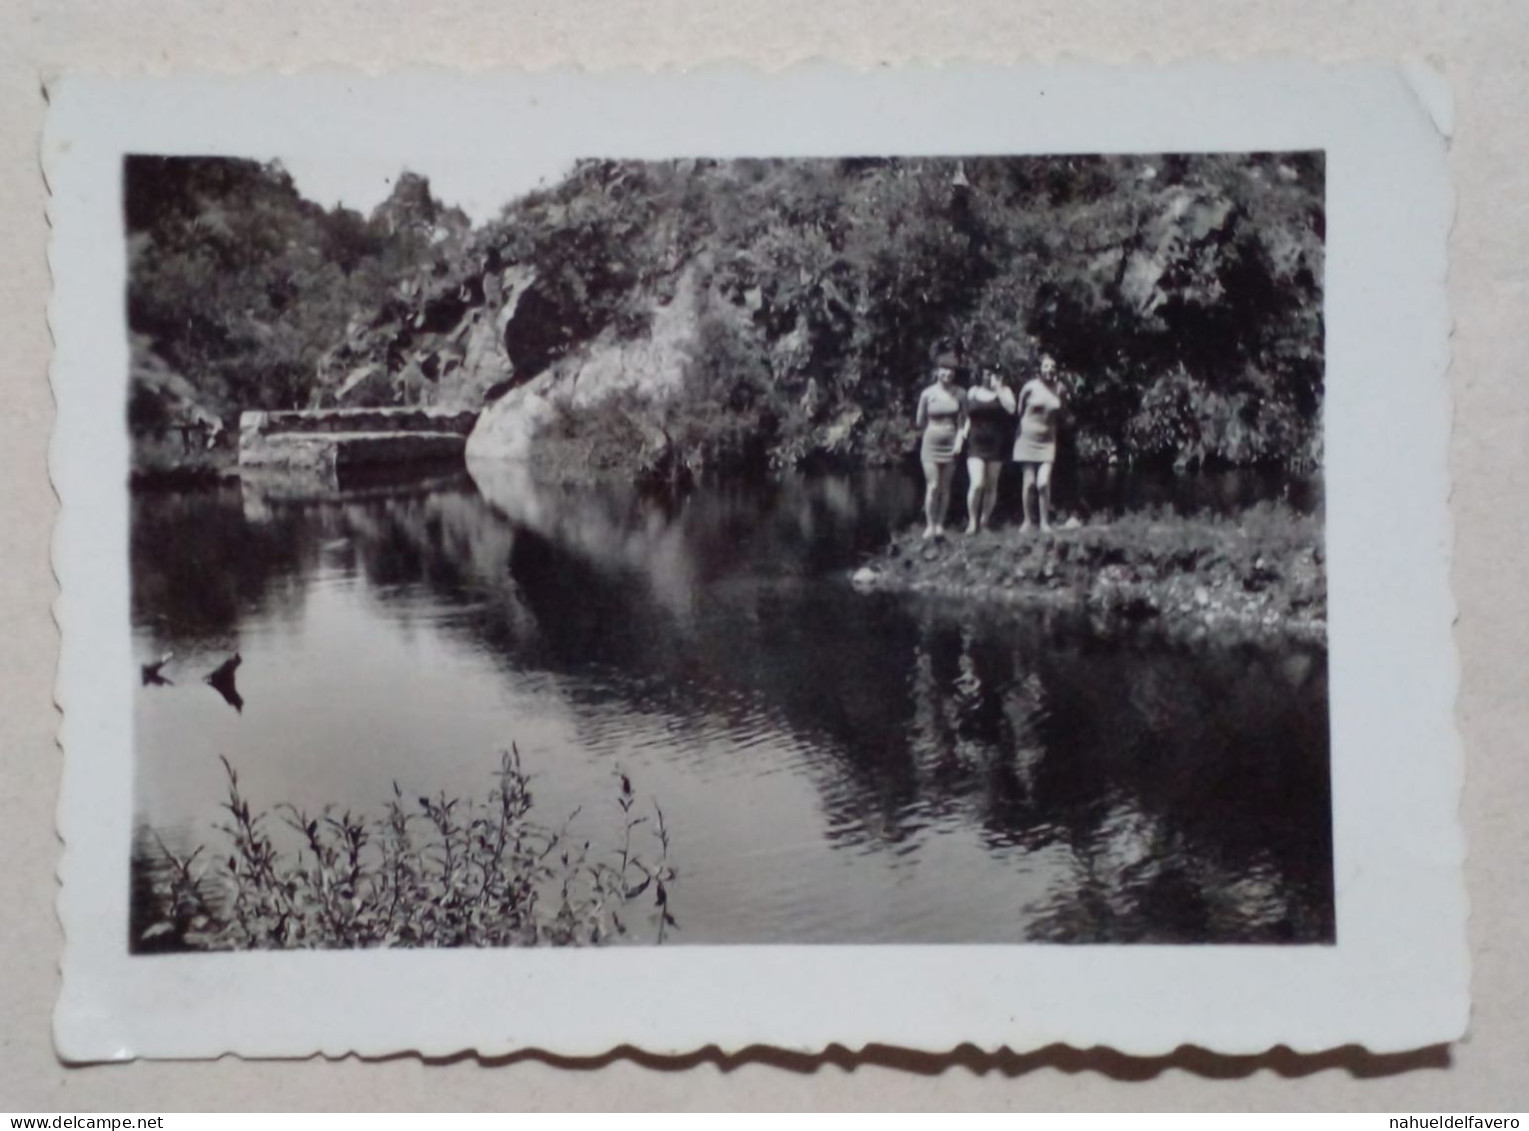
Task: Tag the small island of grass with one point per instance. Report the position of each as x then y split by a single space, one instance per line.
1257 573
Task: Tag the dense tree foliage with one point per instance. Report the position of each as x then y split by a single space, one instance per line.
240 285
1181 295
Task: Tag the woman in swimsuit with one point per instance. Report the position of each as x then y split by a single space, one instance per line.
990 408
1035 449
941 417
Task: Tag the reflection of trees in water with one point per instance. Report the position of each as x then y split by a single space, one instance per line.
198 568
1136 877
1121 490
205 561
1191 790
678 543
1186 789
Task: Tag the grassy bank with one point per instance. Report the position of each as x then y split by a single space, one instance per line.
1260 572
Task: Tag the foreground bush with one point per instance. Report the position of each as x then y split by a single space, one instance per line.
432 872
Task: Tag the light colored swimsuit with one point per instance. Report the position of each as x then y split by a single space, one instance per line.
1038 407
941 411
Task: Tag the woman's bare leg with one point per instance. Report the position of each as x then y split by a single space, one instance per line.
976 494
994 471
1027 493
931 497
947 472
1043 496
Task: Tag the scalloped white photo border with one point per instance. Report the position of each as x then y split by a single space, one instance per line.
1397 976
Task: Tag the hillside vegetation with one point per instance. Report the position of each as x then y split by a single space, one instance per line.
1182 296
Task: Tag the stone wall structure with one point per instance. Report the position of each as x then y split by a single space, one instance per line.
328 441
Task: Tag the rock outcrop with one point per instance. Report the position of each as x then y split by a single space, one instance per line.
443 347
650 367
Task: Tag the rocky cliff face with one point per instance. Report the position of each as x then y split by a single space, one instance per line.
443 345
650 368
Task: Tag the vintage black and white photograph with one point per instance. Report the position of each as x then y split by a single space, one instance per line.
853 550
922 571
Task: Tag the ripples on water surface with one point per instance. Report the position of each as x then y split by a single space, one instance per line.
835 767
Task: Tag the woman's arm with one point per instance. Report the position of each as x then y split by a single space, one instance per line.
921 417
1006 398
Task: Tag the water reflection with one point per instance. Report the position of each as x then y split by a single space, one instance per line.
1116 490
224 680
837 766
151 674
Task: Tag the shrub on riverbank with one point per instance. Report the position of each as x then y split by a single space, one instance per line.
172 462
432 871
1260 571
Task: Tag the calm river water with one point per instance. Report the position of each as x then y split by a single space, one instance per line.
834 766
